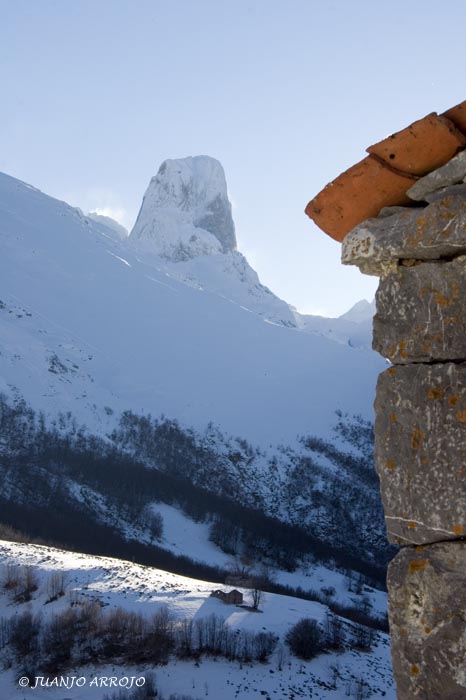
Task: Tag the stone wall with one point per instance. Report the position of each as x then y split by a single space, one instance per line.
419 253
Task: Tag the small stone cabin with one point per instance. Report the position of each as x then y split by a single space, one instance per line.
233 597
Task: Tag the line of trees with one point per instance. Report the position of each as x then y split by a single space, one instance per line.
85 633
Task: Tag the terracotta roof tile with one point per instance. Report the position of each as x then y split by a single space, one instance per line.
383 178
422 147
457 115
358 194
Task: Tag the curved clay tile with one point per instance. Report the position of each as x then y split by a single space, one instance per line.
358 194
383 178
422 147
457 115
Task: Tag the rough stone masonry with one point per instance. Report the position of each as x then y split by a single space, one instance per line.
419 253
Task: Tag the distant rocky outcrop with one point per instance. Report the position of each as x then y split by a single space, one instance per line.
186 211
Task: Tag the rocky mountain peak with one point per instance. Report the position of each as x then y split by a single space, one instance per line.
186 211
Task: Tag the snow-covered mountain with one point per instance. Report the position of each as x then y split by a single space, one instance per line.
151 395
186 220
116 228
353 328
361 312
186 211
94 326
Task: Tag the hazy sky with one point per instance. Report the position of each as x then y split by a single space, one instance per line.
95 94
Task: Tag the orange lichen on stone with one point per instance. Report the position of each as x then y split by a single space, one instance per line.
436 393
458 530
417 438
415 670
393 417
441 299
390 464
401 348
417 565
453 400
427 630
391 371
423 146
461 416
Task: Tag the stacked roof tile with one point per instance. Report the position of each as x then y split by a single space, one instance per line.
386 174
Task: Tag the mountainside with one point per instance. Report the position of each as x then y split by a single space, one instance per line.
353 328
93 326
279 506
95 618
158 403
113 226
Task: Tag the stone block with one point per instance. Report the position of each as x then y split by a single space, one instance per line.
389 211
357 194
421 312
454 190
427 614
439 230
451 173
420 451
423 146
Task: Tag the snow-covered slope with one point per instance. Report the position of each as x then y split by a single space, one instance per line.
92 326
117 229
353 328
75 584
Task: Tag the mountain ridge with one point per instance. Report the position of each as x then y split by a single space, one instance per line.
72 292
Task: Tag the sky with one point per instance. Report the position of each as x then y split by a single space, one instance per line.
285 93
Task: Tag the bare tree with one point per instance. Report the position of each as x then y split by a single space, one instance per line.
56 585
257 597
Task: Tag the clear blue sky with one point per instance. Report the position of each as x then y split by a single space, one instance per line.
286 94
